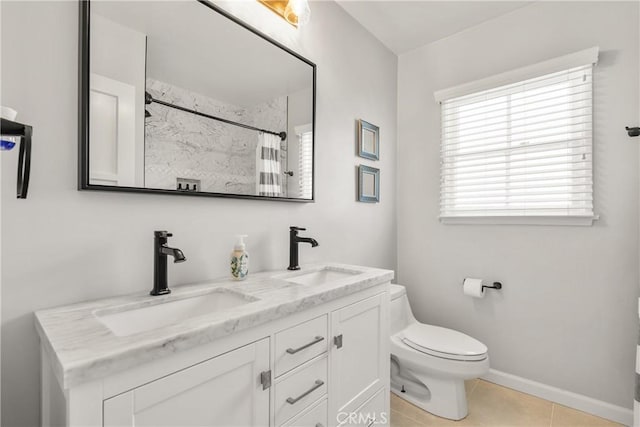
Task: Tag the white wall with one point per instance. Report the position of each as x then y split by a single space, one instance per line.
62 246
567 315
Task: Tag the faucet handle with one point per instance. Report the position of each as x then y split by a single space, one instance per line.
294 228
162 233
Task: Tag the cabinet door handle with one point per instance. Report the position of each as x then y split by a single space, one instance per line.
316 340
337 340
317 385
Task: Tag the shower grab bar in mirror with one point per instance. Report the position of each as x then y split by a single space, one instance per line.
148 99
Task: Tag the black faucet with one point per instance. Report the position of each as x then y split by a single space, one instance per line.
294 239
160 252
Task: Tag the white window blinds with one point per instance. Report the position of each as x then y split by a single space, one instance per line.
520 150
305 162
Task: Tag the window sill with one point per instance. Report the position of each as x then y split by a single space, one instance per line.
520 220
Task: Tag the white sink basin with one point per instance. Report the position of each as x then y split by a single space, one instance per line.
321 277
131 321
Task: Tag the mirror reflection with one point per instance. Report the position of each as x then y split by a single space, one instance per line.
183 98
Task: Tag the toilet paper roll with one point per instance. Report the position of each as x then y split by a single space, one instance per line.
473 287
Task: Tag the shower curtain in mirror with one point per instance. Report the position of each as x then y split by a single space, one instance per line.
268 165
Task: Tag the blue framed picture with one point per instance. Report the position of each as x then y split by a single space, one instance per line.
368 184
368 140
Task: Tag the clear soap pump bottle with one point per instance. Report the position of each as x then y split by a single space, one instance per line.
239 259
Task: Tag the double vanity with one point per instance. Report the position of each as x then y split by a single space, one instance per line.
303 348
308 347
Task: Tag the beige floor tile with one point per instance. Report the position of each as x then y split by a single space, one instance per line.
470 385
494 405
421 419
400 420
405 408
397 403
491 405
418 416
567 417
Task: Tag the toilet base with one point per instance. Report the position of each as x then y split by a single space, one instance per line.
444 398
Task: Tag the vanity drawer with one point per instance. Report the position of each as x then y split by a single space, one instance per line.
315 416
301 343
299 389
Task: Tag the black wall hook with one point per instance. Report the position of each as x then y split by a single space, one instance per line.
633 131
11 128
496 285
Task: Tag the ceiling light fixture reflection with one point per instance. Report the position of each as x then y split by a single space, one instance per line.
295 12
298 11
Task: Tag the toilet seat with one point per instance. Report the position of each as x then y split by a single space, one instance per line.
443 342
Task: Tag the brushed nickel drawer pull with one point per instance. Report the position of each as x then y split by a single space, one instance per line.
316 340
317 385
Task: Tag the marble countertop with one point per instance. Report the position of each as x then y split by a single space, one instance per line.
81 348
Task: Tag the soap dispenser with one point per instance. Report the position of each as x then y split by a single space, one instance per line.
239 259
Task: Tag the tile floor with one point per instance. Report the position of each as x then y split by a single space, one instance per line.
494 405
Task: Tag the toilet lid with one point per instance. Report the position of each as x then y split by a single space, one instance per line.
443 342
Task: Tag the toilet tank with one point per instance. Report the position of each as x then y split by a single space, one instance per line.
400 310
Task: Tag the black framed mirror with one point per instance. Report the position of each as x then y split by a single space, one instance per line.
183 98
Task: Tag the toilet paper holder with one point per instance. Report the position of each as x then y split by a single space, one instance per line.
496 285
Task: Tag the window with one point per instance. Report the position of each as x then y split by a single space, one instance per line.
520 150
305 161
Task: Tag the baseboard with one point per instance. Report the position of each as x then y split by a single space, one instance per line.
562 397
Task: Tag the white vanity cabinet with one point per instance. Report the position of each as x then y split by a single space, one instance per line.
360 359
224 390
322 366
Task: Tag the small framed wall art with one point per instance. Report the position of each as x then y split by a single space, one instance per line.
368 140
368 184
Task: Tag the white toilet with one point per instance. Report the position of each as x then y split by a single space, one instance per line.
429 364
